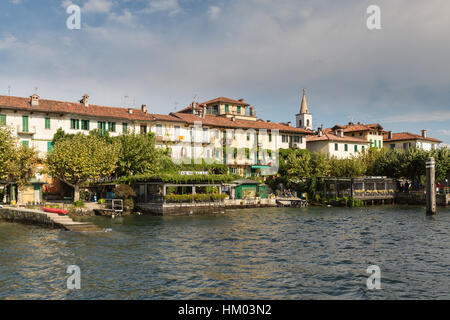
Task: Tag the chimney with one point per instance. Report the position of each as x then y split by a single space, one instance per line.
34 100
252 112
269 121
144 108
289 123
320 132
350 123
424 133
85 100
389 135
130 110
204 111
241 100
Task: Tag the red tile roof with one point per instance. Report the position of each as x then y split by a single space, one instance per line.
223 122
402 136
357 127
227 100
332 137
75 108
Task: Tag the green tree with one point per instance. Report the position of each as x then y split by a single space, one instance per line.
320 165
138 155
8 151
23 168
81 158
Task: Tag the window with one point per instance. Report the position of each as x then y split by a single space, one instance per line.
177 132
25 124
248 136
159 129
227 108
143 129
284 138
371 143
217 153
392 146
356 148
362 148
2 119
206 135
346 147
336 147
47 123
25 143
270 137
296 139
49 147
74 124
111 126
85 125
307 123
101 125
124 127
299 123
379 144
239 110
405 146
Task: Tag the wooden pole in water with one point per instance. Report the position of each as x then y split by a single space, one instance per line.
431 187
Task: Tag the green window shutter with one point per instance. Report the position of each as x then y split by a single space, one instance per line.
2 119
379 144
239 110
25 143
227 108
87 125
25 124
346 147
356 148
125 127
47 123
78 124
49 147
99 125
336 147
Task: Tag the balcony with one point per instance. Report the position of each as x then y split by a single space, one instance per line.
26 131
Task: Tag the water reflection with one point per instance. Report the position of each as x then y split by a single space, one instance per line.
314 253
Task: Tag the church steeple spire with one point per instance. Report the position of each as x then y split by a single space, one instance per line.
304 118
304 107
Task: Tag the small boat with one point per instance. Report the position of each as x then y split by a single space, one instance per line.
58 211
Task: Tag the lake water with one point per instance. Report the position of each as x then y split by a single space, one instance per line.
277 253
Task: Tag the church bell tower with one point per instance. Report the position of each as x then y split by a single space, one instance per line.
304 118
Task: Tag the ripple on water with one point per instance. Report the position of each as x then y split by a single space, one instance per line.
313 253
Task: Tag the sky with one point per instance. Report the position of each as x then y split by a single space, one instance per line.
167 53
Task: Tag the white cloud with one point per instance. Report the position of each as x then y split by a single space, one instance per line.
16 1
170 6
126 18
437 115
7 42
97 6
213 12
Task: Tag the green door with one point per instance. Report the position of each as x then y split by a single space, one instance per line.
25 123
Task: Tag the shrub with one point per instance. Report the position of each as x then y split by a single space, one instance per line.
124 191
78 204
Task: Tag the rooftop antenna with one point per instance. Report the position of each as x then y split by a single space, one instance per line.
176 106
125 101
36 90
9 90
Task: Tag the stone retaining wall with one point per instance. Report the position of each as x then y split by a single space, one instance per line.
160 209
27 216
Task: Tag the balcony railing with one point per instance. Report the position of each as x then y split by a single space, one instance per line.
27 131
